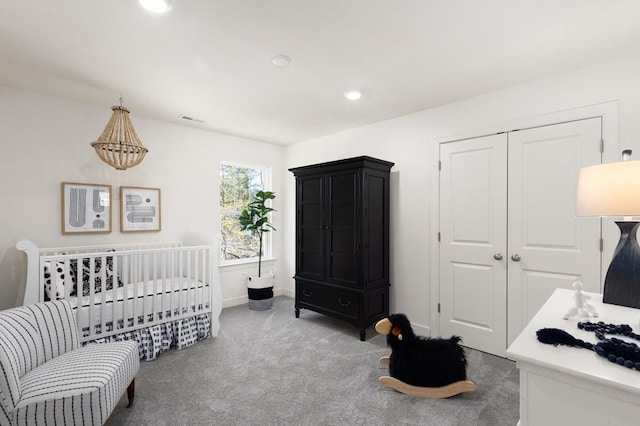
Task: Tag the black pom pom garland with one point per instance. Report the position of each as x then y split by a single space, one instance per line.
618 351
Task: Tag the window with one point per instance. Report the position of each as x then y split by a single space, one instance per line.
238 184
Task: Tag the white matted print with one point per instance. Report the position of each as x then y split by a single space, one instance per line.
86 208
139 209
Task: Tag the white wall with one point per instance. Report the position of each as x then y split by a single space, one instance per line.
410 141
45 141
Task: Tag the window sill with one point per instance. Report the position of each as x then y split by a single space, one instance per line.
232 265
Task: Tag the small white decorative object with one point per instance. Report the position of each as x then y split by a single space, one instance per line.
582 307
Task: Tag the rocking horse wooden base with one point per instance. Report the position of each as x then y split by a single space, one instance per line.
424 392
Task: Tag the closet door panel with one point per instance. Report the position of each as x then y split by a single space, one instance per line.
551 246
473 218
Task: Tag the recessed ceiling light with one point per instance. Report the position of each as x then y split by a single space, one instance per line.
353 95
156 6
281 61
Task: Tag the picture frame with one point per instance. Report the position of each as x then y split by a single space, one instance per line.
86 208
140 209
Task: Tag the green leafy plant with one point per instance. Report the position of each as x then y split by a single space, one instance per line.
255 218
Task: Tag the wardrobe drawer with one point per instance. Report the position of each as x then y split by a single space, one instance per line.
330 299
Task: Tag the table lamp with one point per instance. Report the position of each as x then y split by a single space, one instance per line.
613 189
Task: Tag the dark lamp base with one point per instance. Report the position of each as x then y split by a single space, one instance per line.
622 283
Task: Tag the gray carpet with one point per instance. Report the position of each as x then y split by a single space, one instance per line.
269 368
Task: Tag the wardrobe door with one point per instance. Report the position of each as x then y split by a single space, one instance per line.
310 227
549 247
473 217
342 242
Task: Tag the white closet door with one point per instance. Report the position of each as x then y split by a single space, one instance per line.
549 247
509 235
473 216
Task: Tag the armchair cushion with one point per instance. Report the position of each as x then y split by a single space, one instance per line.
79 387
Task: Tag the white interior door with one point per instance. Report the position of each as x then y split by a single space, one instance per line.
508 231
549 247
473 216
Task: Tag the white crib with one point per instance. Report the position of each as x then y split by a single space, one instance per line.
162 295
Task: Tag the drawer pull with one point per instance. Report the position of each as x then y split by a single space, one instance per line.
345 304
307 293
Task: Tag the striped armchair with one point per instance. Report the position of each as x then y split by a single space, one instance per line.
46 377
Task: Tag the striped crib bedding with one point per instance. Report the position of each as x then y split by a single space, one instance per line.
154 339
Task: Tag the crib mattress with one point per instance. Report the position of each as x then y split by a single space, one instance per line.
142 299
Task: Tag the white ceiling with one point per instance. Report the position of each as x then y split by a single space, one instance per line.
211 59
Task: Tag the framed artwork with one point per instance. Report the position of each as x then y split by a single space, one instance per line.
139 209
86 208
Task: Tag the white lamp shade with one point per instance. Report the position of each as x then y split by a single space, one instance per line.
611 189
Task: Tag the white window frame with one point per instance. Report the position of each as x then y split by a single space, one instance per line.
267 240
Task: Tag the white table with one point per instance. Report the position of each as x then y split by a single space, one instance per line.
574 386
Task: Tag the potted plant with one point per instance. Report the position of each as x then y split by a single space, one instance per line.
255 218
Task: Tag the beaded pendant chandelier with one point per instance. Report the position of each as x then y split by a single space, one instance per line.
119 145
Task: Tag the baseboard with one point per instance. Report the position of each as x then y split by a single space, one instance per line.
244 300
228 303
285 292
421 330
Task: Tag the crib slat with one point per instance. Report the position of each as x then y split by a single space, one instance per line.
172 274
114 292
198 277
92 279
181 283
81 316
136 280
54 276
205 304
41 281
68 282
144 269
144 290
163 283
188 284
128 278
103 292
154 296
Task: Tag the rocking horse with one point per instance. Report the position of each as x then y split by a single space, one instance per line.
422 367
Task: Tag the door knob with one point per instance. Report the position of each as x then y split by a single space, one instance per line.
497 256
516 257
